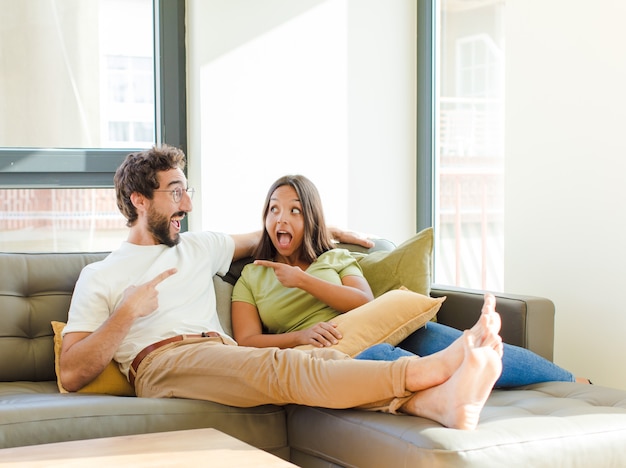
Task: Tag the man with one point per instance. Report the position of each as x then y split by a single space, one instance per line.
150 305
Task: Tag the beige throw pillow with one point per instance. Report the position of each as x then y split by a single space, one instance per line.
111 381
389 318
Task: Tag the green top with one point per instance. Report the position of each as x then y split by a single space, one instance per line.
284 309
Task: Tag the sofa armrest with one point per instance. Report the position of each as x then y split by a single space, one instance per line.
527 321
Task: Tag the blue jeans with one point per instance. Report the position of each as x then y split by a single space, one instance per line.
519 365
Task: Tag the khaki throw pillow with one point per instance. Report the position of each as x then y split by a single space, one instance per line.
389 318
111 381
408 265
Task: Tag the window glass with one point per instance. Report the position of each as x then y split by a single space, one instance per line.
72 70
60 220
75 76
469 164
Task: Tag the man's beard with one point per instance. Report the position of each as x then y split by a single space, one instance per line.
159 227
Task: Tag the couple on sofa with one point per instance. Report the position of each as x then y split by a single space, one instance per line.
147 306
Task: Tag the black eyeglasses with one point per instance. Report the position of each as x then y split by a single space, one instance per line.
177 193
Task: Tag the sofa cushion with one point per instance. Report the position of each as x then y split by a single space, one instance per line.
110 382
408 265
35 289
30 417
549 424
389 318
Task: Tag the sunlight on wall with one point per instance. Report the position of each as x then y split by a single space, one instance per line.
259 104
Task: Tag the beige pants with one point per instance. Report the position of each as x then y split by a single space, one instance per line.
208 369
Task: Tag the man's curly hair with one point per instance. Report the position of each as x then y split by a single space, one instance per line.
138 173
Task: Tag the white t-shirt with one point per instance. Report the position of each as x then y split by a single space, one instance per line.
186 299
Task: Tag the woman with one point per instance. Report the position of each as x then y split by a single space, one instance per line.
299 283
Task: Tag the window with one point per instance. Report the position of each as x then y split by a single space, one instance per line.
128 100
69 67
462 132
60 220
80 89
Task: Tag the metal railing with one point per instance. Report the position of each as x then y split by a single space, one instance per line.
470 194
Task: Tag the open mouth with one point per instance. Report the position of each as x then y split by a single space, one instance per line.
283 238
176 220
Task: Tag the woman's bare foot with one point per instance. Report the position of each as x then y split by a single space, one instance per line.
457 403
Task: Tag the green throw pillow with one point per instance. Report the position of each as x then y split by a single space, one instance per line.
408 265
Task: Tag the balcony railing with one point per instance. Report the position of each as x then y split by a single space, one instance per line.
470 194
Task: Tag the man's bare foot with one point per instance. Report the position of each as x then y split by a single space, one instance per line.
583 380
438 367
485 332
457 403
487 328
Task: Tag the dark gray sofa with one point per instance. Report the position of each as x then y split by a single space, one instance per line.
553 424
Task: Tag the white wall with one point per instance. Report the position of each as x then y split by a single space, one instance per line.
565 166
382 117
325 88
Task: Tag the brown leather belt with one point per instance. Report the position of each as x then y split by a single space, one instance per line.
148 349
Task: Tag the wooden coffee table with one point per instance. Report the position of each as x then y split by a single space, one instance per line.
195 447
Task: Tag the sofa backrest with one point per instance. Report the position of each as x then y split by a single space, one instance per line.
34 290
